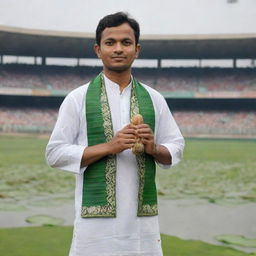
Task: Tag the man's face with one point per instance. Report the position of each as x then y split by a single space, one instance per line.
117 48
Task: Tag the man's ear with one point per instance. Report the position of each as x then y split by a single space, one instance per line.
97 50
138 47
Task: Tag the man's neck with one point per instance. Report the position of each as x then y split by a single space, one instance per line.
123 79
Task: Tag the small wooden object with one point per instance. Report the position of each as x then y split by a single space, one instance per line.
138 147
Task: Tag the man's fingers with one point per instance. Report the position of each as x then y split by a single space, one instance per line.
129 141
146 134
128 130
144 130
129 126
126 144
126 136
126 139
147 140
140 126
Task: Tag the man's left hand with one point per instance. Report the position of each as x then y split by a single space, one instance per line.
159 152
147 138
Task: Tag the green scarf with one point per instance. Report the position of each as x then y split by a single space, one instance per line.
99 182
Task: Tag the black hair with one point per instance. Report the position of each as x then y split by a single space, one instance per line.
114 20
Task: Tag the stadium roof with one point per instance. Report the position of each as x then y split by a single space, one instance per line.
48 43
165 17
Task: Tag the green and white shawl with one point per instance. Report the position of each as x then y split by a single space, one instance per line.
99 184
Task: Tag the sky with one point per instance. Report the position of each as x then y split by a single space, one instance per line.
172 17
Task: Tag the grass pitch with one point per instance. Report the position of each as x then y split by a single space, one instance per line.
26 180
221 171
45 241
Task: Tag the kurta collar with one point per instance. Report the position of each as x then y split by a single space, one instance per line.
114 86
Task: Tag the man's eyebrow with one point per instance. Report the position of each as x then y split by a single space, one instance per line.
110 39
113 39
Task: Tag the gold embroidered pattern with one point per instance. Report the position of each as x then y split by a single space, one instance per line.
111 161
148 210
134 108
108 210
97 211
143 210
106 114
141 171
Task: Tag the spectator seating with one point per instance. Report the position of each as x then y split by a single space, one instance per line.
191 123
164 80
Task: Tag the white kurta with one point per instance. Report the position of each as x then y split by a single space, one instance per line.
127 234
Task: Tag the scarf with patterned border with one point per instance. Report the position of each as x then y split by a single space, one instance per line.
99 181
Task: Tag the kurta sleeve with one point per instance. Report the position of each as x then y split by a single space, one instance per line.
63 151
168 133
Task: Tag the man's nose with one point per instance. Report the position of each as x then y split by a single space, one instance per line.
118 48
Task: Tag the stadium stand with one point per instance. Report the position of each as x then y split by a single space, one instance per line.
191 123
240 124
163 80
32 77
27 120
20 79
32 112
206 79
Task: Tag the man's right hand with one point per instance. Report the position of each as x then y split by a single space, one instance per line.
124 139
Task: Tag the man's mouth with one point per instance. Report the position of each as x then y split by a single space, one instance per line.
119 57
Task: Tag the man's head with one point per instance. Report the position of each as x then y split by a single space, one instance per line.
117 45
114 20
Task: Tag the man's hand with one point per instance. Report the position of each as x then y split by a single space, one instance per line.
159 152
124 139
147 138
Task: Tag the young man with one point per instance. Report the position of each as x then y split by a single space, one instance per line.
115 197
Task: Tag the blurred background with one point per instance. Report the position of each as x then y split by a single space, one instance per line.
199 54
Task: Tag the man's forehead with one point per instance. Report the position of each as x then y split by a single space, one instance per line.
119 32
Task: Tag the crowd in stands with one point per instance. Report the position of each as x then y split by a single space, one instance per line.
216 123
45 78
202 80
165 79
27 120
20 79
191 123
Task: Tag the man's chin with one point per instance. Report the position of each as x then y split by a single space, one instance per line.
119 69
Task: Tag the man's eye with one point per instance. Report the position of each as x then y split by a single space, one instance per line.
109 43
127 42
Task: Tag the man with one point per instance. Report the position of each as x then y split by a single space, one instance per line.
115 197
